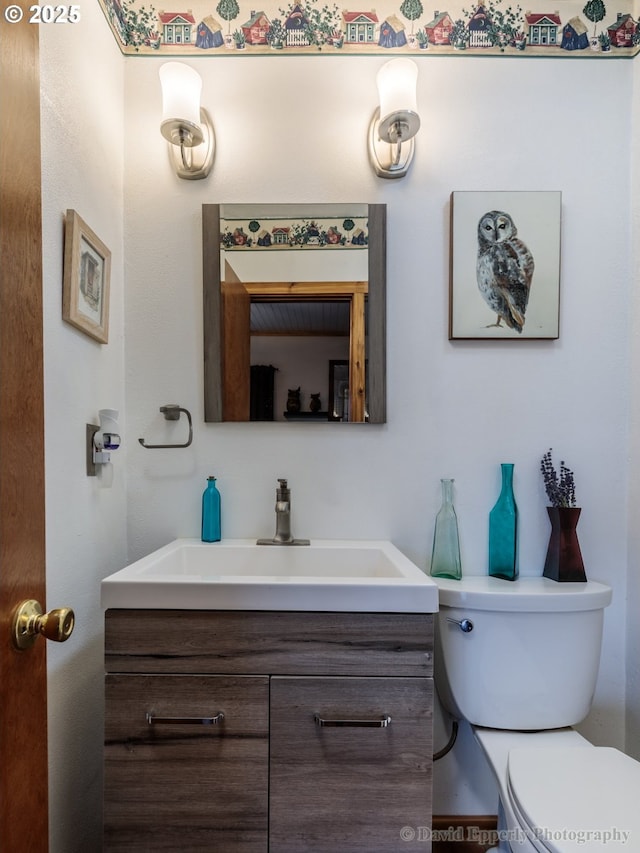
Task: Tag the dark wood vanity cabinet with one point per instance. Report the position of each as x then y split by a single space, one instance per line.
342 788
174 784
275 732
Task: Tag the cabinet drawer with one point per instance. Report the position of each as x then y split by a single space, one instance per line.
279 643
177 784
349 788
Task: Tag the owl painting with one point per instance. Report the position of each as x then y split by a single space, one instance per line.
504 269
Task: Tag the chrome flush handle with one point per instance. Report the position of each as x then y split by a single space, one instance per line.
465 625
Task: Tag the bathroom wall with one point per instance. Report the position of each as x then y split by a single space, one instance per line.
82 168
295 130
633 575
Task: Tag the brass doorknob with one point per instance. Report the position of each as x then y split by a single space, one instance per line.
29 622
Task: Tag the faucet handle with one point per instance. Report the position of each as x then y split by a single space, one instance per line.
282 492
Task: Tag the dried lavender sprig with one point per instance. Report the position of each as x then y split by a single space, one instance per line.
567 485
549 477
561 491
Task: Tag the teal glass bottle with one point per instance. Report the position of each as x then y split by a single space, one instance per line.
503 530
211 512
445 555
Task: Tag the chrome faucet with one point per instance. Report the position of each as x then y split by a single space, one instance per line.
283 519
283 513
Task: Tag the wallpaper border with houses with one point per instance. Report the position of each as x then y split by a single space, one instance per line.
592 29
263 232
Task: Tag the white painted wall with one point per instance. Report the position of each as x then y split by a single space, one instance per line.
82 168
633 569
295 131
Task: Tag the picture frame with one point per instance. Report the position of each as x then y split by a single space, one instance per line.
86 280
505 271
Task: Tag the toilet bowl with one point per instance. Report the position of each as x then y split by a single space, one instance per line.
519 662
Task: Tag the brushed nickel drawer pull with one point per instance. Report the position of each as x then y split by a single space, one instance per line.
184 721
380 723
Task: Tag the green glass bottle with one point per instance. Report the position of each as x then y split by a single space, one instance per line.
503 530
445 555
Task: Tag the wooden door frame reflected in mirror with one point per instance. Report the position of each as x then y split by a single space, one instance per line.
220 404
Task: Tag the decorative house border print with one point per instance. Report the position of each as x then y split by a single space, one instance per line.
587 28
271 234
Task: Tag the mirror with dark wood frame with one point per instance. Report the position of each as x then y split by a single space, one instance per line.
294 300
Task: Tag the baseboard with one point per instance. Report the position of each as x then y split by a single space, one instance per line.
463 833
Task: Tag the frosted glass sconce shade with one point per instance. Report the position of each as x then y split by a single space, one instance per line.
397 82
181 89
396 121
185 124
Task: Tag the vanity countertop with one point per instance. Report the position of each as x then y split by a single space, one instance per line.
363 576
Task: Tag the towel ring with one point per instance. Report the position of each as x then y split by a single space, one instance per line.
171 412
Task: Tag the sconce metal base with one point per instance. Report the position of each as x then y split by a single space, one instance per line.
193 164
91 430
381 153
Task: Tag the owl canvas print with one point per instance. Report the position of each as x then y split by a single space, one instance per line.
505 265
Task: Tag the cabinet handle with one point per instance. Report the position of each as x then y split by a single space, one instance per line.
184 721
379 723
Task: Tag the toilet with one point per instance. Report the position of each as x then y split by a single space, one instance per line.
519 662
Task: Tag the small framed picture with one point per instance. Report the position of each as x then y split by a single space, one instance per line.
87 268
505 265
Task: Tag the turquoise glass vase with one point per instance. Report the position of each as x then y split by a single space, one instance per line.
445 555
211 512
503 530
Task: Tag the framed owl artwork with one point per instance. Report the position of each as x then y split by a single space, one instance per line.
505 265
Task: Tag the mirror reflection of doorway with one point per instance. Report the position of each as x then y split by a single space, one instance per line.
263 320
261 262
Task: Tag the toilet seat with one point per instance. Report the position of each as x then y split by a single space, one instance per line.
557 781
496 745
569 799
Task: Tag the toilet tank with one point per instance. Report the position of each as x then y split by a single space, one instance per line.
530 655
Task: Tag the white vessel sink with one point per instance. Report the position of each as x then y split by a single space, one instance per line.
238 574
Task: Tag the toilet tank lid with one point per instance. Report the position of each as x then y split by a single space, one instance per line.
536 594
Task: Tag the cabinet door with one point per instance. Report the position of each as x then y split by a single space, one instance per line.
351 762
177 779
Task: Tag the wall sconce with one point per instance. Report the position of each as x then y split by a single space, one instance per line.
396 121
185 123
